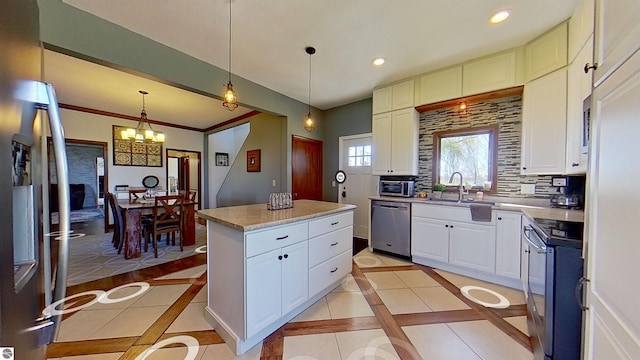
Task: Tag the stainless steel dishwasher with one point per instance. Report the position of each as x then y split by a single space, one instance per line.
390 227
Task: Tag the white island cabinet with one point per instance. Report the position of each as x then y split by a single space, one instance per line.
265 267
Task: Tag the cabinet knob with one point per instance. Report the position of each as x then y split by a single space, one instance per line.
451 226
524 168
588 67
574 164
499 218
446 226
279 257
286 256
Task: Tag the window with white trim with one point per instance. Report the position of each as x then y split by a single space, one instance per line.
360 156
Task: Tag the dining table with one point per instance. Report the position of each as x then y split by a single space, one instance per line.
132 211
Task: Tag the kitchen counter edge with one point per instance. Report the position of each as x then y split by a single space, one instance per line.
529 211
255 217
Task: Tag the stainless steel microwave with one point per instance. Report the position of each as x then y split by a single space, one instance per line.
397 186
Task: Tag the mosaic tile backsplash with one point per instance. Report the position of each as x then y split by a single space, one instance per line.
507 113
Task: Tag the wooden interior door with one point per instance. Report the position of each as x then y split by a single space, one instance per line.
183 174
306 168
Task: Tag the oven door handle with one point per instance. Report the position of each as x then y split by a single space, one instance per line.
540 247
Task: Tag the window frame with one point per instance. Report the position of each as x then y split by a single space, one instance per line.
492 130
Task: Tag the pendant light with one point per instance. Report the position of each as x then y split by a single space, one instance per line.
309 124
143 132
230 100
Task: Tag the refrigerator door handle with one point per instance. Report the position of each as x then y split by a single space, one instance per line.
62 172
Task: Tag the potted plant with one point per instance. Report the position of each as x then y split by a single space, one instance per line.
438 189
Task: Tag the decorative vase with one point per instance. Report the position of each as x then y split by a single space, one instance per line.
437 194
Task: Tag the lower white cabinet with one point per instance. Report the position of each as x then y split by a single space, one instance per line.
430 238
508 229
277 283
447 238
472 246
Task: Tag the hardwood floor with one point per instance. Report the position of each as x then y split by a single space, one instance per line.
382 318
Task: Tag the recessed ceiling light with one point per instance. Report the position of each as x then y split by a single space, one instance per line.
378 61
500 16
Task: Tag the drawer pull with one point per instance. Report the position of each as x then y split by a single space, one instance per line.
334 270
334 244
282 237
335 223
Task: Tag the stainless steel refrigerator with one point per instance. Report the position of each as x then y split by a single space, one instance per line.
32 259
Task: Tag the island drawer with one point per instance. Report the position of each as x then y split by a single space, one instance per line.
326 246
274 238
328 272
330 223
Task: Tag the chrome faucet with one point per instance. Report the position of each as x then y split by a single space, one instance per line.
461 188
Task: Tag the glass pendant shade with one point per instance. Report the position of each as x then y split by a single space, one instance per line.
309 125
230 99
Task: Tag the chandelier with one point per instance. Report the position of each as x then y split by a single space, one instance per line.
230 100
143 132
309 124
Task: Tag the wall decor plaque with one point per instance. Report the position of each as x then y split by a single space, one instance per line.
253 160
130 153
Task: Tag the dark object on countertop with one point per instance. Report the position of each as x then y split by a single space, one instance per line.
480 212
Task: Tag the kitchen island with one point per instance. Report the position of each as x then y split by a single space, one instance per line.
265 267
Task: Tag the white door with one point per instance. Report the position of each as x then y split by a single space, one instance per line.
355 161
613 207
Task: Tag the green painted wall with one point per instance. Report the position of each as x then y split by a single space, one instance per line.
350 119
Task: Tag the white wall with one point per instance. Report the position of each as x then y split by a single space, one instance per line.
85 126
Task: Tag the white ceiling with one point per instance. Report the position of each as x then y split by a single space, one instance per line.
269 38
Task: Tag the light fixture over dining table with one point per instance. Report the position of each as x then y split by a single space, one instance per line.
143 132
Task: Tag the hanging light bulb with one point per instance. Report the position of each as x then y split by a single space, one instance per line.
309 124
230 100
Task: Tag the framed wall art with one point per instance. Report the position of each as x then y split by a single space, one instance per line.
130 153
222 159
253 160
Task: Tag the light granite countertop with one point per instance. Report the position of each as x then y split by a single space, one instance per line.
530 211
254 217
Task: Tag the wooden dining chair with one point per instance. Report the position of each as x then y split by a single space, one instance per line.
118 222
191 195
167 214
135 194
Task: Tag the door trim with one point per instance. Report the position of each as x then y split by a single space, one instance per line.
341 141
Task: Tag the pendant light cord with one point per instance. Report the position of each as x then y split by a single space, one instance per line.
309 102
230 1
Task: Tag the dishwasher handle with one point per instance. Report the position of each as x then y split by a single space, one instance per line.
391 207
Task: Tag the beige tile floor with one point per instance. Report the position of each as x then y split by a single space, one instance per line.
402 292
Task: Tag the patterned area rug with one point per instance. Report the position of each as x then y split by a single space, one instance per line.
93 257
86 214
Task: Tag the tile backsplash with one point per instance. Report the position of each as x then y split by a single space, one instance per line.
507 113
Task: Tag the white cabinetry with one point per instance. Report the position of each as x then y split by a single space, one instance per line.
617 36
395 97
330 247
546 53
276 284
445 237
395 143
581 27
490 73
441 85
578 90
544 119
472 246
260 279
508 229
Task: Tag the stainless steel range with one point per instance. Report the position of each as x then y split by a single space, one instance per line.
554 266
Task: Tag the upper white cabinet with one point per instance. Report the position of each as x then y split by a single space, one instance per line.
546 53
441 85
490 73
395 143
617 35
395 97
581 27
544 119
578 91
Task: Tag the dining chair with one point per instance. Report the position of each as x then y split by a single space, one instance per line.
167 214
191 195
118 222
135 194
